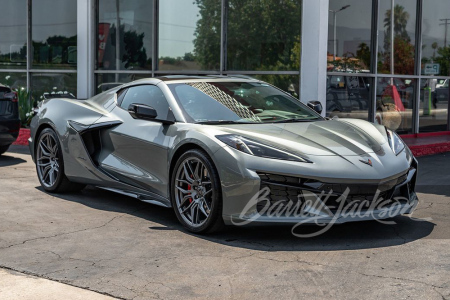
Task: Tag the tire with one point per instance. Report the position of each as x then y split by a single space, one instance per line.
3 149
50 165
196 193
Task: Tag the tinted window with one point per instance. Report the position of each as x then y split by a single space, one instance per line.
149 95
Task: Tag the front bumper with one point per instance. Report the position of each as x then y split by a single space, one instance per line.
244 200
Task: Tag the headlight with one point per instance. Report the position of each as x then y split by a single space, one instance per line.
257 149
395 142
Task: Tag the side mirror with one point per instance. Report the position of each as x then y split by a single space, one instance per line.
145 112
142 111
316 106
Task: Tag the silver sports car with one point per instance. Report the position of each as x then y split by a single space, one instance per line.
223 150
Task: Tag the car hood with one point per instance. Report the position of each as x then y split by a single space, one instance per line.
344 137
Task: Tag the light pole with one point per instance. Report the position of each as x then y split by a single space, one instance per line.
334 17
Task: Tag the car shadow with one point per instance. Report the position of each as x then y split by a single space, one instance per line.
350 236
7 160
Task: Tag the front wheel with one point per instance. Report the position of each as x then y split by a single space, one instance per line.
50 164
196 194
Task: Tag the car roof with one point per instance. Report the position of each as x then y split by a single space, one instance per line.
173 79
208 78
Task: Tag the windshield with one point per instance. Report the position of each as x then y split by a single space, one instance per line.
239 102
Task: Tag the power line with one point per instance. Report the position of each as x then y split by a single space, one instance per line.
447 22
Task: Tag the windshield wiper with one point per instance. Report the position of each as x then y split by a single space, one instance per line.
296 120
220 122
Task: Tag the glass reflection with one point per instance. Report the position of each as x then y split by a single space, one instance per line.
394 105
349 36
13 34
435 38
264 35
53 85
287 83
128 48
434 105
108 81
54 34
348 96
14 80
189 35
399 27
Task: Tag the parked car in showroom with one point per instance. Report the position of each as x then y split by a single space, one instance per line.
9 118
207 147
347 93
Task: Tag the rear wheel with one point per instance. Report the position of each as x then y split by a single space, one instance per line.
196 194
3 149
50 164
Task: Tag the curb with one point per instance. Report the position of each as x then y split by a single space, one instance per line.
23 137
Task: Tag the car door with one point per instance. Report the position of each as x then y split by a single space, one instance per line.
136 151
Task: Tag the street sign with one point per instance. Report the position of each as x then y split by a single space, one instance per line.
432 69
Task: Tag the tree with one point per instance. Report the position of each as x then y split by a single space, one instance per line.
132 50
207 34
135 54
401 18
444 60
363 54
261 35
403 49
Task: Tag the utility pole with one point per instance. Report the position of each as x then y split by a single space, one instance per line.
334 12
447 22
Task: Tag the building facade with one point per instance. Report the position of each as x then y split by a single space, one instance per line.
334 51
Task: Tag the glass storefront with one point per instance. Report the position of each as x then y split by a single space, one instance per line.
349 37
259 39
129 47
13 36
189 35
54 34
435 43
13 79
263 35
348 96
399 27
392 81
434 105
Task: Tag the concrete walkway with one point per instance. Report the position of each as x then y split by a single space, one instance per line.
116 245
17 286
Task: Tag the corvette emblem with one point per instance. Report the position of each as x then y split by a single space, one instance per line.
367 162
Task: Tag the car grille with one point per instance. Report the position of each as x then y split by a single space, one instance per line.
287 191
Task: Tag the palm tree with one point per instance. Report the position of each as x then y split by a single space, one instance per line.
401 18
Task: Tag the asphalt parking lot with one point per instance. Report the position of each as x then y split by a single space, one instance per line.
127 249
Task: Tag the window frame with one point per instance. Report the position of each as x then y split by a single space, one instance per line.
127 88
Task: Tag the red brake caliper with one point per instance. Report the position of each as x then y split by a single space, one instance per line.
189 188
